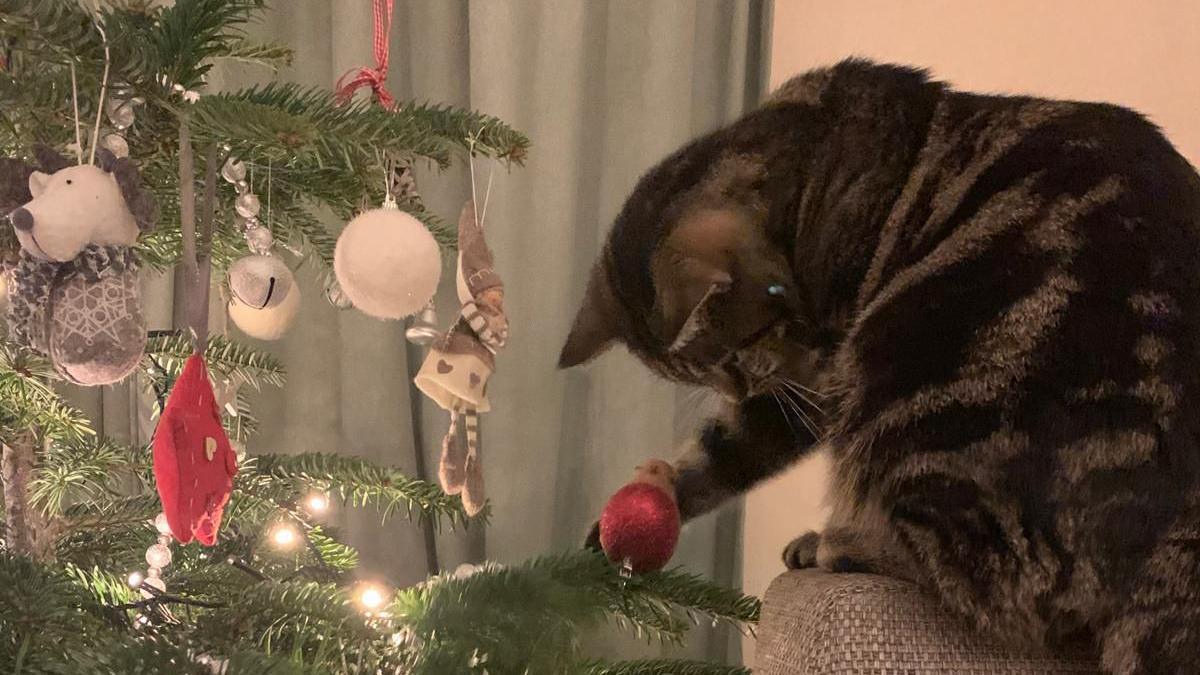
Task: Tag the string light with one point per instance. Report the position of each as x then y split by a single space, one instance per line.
317 502
135 579
284 535
372 596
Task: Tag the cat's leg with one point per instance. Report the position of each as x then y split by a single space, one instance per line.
857 539
731 456
1157 629
801 552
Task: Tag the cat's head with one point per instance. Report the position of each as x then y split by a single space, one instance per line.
693 281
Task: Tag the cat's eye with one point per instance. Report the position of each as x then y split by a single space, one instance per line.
777 290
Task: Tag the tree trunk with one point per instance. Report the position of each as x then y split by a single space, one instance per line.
27 532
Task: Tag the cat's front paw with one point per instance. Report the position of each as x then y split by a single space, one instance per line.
801 553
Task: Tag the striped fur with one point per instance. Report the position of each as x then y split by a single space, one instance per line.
997 300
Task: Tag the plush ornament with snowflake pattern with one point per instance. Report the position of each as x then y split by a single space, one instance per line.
74 292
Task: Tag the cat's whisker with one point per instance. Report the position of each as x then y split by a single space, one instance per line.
808 421
786 417
791 386
810 390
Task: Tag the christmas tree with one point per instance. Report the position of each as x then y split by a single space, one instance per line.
89 580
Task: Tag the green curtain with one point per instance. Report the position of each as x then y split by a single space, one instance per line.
604 89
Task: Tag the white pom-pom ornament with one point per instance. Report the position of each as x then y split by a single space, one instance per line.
266 323
387 263
260 281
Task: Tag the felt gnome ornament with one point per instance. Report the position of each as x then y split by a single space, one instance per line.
640 525
194 463
455 373
74 291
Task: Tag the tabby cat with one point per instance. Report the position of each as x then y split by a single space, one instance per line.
986 307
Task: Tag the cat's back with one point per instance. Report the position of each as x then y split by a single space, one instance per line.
1034 240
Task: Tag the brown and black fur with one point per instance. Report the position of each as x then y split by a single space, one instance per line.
991 303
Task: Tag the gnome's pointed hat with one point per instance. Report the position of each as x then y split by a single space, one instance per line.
476 267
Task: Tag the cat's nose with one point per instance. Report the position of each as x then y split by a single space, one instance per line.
21 219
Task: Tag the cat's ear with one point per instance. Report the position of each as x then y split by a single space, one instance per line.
595 327
695 335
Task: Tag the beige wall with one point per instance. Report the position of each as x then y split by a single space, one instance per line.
1140 53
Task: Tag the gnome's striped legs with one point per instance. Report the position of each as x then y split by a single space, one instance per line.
462 473
473 496
452 467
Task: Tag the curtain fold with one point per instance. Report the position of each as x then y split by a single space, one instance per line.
604 89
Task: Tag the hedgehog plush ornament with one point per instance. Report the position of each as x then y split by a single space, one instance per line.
74 290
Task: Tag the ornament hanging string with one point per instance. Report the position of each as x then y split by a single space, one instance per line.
472 139
75 105
103 93
375 78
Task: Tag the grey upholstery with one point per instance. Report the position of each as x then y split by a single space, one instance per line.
815 622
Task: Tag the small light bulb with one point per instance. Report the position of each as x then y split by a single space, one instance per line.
135 579
317 502
371 597
284 535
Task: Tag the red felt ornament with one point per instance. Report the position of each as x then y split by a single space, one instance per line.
194 463
640 524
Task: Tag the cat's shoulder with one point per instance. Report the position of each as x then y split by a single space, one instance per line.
854 76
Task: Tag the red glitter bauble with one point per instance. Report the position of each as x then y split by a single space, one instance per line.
640 524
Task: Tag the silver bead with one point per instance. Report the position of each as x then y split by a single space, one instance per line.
116 144
119 112
234 170
161 524
247 205
158 556
242 187
423 329
153 582
259 239
337 297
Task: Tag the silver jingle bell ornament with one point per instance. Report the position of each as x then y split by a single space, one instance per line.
423 329
260 281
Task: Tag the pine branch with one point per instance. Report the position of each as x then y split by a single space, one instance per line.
40 612
559 596
27 400
315 622
488 137
82 471
104 587
269 54
226 360
295 124
696 593
333 553
360 483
